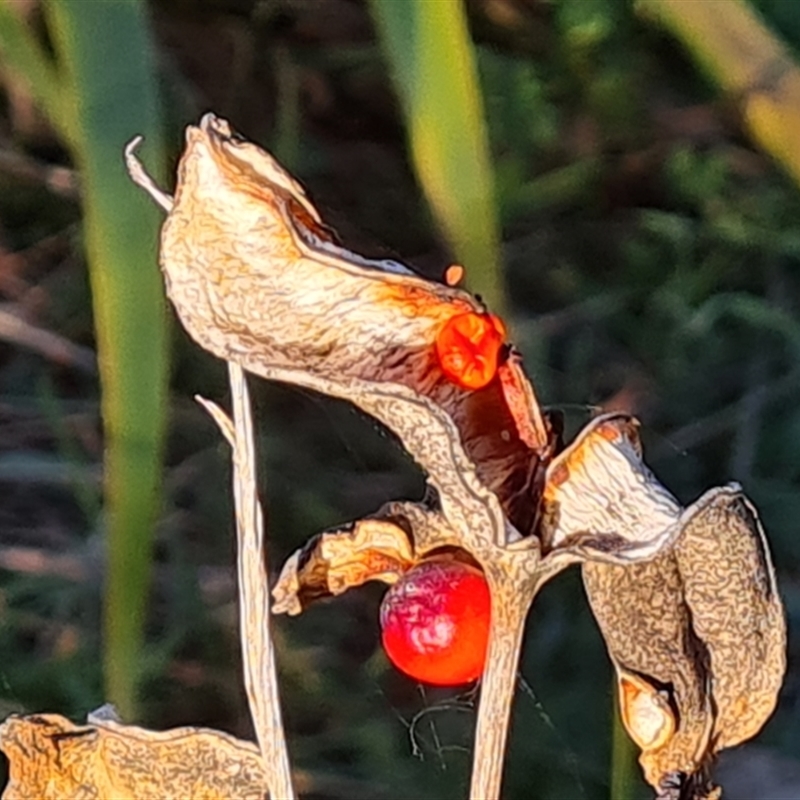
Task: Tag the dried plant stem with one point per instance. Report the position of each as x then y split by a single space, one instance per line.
258 653
139 175
15 329
510 605
260 673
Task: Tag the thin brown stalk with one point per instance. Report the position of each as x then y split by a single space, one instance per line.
258 652
52 346
59 180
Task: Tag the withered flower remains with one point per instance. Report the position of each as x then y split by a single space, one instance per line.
685 597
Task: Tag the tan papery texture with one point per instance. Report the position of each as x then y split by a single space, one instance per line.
50 758
256 277
685 597
703 624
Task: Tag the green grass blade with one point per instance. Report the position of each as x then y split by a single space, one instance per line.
107 59
433 64
24 56
623 783
748 61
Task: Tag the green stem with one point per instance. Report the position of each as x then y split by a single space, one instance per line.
106 57
623 756
432 61
27 59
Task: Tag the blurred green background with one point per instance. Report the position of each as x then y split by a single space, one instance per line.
617 177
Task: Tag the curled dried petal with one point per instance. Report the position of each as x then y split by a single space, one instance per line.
333 562
601 501
645 712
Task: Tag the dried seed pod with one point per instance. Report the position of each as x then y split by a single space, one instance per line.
647 629
686 599
729 585
705 622
257 278
335 561
600 500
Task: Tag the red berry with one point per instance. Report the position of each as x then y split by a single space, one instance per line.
435 622
468 347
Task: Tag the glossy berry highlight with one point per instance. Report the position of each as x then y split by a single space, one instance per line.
468 348
435 623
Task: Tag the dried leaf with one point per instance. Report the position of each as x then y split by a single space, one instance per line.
50 758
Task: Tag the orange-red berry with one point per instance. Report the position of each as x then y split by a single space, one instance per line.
468 347
435 623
